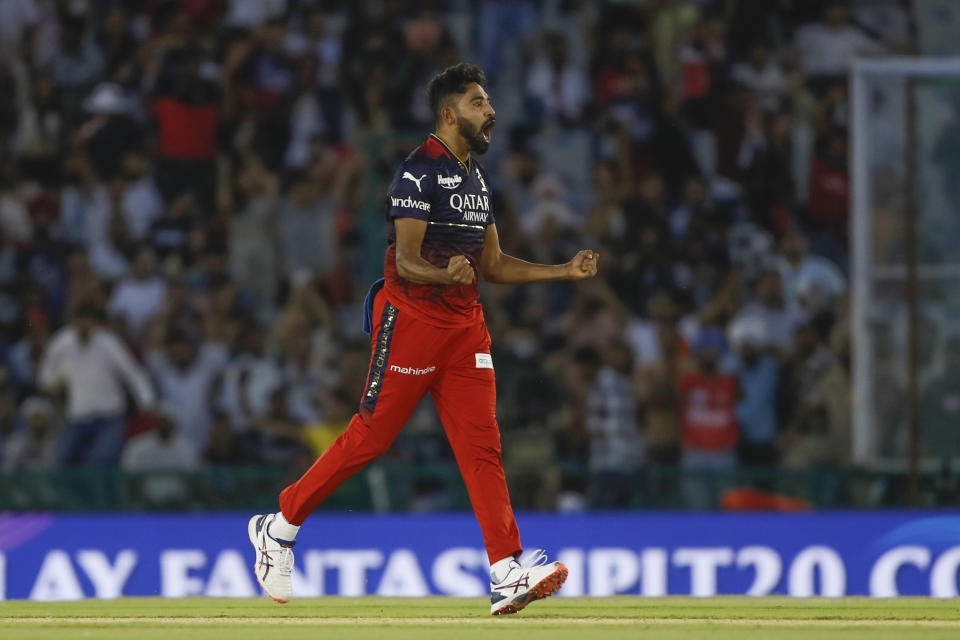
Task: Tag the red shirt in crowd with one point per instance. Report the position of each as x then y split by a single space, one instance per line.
186 131
708 410
829 197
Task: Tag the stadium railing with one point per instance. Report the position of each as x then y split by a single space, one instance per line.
393 486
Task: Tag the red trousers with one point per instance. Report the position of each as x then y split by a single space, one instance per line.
409 359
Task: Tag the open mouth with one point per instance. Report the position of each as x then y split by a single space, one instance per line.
485 131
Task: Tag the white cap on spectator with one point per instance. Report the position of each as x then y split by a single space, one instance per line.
107 98
748 330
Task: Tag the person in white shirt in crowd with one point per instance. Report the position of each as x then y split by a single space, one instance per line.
186 373
84 202
769 304
248 378
161 449
93 367
35 444
763 76
557 87
139 296
828 48
810 282
141 202
616 440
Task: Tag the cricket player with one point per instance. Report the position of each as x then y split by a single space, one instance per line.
429 336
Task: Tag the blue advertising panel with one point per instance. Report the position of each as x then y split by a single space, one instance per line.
55 557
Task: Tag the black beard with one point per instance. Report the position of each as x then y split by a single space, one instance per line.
472 135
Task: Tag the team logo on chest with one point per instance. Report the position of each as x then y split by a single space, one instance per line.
449 182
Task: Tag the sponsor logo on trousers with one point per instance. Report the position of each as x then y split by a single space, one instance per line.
412 371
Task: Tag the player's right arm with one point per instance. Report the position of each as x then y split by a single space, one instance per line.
410 200
411 265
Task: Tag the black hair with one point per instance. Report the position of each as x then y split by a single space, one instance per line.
453 80
87 310
588 356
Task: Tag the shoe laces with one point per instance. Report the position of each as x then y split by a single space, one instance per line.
533 558
285 561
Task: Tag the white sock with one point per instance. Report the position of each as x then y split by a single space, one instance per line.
283 530
500 569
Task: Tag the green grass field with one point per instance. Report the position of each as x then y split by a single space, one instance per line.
557 618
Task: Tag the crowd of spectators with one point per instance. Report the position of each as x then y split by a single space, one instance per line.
191 210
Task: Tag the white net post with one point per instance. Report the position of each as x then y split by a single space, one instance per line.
878 87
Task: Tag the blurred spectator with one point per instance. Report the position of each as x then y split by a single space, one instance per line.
763 75
556 88
253 240
829 47
18 19
119 45
40 128
35 445
84 202
339 410
137 298
280 435
806 365
319 40
812 283
307 236
549 212
768 173
108 256
141 204
186 371
702 60
186 107
92 366
246 14
23 357
162 449
504 26
708 400
613 426
658 394
821 431
769 307
169 235
248 378
758 378
111 131
227 446
829 193
645 334
76 64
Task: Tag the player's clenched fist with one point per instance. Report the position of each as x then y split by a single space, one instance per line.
584 264
459 270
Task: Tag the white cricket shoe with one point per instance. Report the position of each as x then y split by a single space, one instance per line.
535 579
274 558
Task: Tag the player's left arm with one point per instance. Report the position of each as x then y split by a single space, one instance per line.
497 266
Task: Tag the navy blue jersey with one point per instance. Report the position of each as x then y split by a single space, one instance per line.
454 199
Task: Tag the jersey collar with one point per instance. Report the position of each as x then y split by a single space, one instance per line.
466 167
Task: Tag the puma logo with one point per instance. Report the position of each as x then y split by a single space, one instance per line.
409 176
